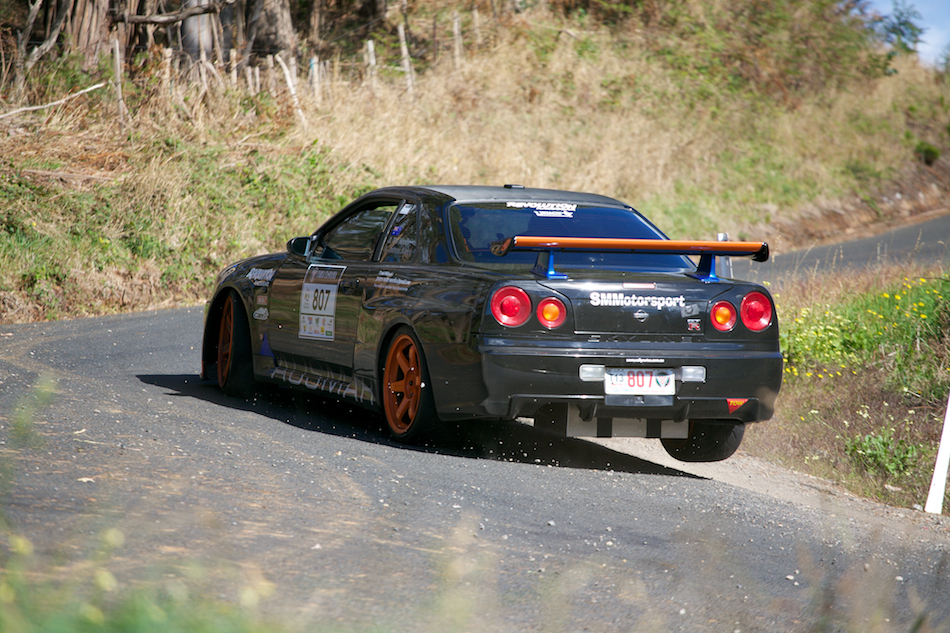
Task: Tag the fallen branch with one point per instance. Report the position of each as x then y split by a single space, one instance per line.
55 103
67 175
165 19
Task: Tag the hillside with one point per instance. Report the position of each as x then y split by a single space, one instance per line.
787 121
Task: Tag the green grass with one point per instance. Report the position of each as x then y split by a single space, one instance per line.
92 600
866 381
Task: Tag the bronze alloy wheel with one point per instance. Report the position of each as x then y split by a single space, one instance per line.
235 365
407 399
225 341
403 382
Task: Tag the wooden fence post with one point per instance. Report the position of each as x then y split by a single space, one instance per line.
293 91
406 63
315 80
457 39
117 55
202 69
476 26
371 63
271 83
167 71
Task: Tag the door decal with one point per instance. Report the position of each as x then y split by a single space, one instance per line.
318 302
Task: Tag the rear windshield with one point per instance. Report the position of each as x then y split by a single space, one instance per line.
475 227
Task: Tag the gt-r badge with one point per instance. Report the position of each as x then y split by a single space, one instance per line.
735 403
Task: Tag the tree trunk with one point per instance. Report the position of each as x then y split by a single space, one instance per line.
316 18
23 62
275 31
89 30
196 36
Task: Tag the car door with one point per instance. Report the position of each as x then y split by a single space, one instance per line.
318 298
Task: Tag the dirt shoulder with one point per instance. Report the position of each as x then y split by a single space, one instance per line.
759 476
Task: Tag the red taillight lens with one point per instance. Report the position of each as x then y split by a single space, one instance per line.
551 313
723 316
511 306
756 311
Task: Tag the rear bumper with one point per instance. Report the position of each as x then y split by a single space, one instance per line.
740 384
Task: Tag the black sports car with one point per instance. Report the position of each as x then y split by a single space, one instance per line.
451 303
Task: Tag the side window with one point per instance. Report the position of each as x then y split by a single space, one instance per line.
355 238
432 248
400 244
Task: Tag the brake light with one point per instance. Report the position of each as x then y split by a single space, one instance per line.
551 313
511 306
723 316
756 311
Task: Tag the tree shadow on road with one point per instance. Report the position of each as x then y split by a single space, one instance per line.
494 440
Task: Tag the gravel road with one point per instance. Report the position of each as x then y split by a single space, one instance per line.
302 509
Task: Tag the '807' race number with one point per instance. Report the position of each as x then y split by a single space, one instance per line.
640 382
318 302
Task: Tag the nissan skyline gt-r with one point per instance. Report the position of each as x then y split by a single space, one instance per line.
448 303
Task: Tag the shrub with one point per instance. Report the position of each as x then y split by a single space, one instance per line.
926 153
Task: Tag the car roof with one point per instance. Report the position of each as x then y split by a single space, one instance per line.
463 194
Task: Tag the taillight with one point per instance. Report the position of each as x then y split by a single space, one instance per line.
551 313
756 311
511 306
723 316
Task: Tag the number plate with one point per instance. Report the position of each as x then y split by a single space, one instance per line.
639 382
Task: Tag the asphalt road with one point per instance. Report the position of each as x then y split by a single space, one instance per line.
927 241
305 508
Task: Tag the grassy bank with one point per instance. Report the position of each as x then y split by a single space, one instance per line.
866 381
668 113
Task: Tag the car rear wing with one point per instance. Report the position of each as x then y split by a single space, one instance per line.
707 250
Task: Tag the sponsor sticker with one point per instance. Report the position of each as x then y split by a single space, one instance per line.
261 314
261 276
625 300
386 280
318 302
735 403
546 209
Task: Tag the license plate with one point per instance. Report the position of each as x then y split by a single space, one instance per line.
639 382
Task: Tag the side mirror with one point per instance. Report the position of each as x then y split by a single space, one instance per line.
299 246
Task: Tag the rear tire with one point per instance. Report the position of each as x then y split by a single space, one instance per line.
407 396
707 442
235 367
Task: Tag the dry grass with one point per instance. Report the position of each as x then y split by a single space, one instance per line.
545 101
823 407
